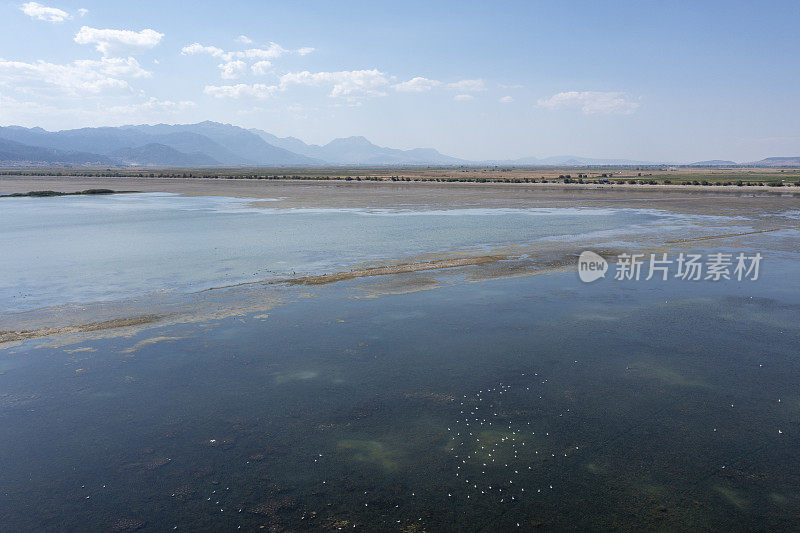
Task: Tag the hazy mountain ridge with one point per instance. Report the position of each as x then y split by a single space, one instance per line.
155 154
15 151
360 151
249 147
714 163
220 144
766 162
214 144
777 162
188 142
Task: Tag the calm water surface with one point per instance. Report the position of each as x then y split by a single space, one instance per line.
79 249
535 401
525 403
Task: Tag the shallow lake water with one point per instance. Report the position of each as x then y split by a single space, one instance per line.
83 249
534 402
537 401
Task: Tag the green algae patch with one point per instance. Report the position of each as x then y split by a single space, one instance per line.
372 452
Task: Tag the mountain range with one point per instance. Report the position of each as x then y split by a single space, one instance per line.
212 144
359 151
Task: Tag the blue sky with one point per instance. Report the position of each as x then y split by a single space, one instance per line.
663 81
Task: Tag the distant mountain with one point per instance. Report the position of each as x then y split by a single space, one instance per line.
14 152
225 144
159 155
93 140
292 144
188 142
714 163
215 144
776 162
360 151
249 148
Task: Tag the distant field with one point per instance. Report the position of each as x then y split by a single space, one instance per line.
660 175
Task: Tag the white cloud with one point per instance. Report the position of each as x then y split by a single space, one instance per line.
39 113
82 12
344 83
150 105
8 104
506 99
40 12
61 114
468 85
107 41
81 76
232 69
261 68
512 86
244 39
463 97
592 102
273 51
197 48
241 90
417 85
301 112
116 66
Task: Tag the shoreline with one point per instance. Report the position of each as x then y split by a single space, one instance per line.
170 182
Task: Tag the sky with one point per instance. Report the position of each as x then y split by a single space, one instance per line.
675 81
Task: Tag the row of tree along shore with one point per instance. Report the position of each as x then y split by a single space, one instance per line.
605 178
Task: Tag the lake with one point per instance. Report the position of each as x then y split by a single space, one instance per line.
491 403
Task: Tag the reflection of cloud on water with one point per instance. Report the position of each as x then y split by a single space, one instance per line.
83 349
668 376
594 317
299 375
732 496
147 342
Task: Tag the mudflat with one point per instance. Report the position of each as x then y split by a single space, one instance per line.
410 195
691 217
